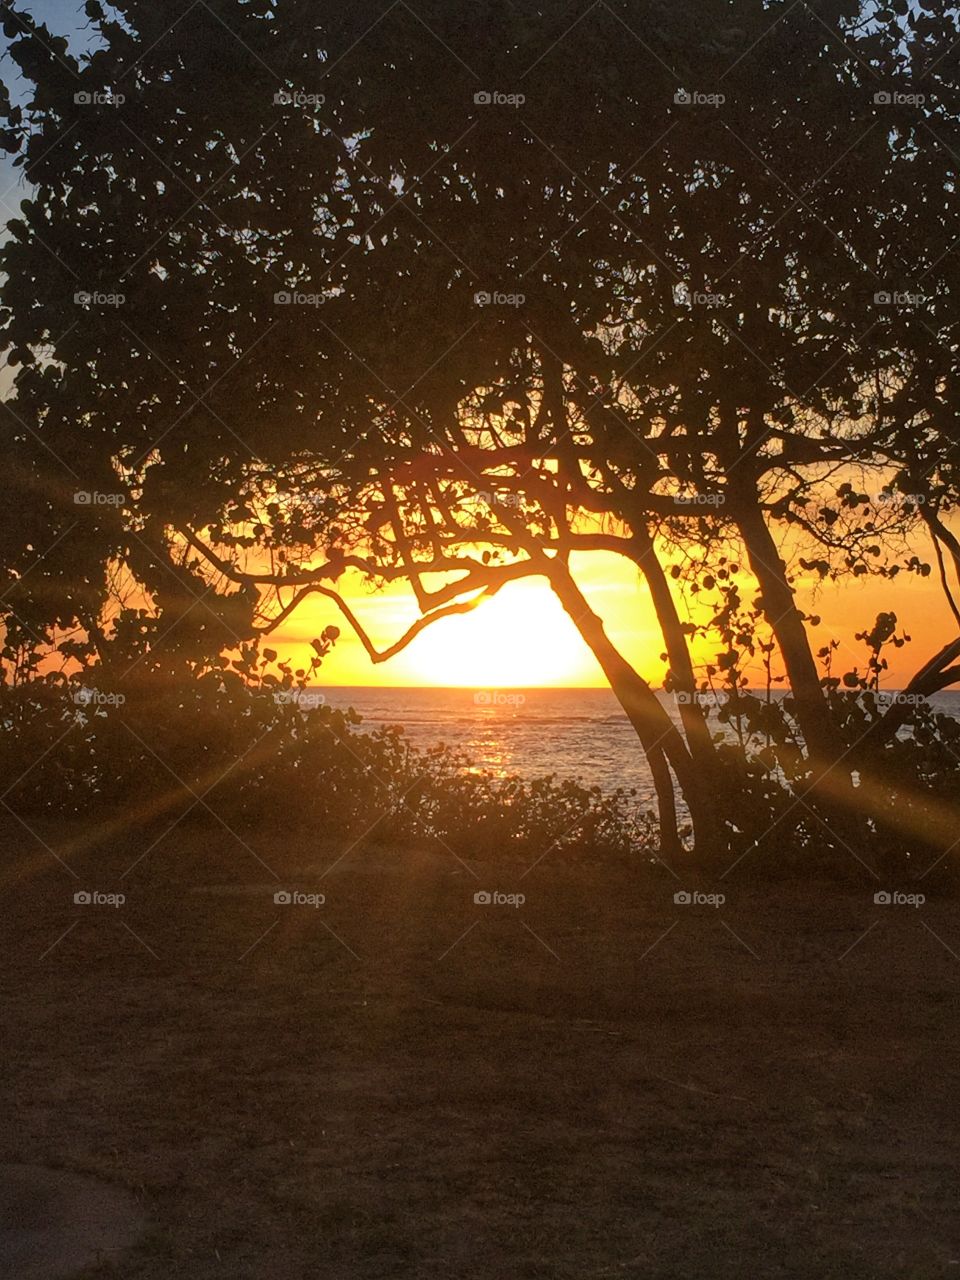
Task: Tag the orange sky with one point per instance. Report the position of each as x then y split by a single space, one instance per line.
523 637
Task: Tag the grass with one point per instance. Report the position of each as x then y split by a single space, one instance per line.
597 1084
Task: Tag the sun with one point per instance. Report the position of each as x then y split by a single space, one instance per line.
520 637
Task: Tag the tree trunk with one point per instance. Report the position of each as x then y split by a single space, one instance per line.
780 610
699 739
695 725
661 741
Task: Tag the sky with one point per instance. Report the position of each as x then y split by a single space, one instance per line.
65 18
522 637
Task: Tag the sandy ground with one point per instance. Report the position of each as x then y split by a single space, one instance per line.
598 1083
54 1223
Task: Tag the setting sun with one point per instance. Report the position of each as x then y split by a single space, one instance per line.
520 637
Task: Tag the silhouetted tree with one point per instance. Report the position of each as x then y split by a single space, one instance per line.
303 282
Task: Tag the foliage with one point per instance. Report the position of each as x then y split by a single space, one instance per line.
252 741
267 756
314 304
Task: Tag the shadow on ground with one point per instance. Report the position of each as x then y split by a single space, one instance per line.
600 1082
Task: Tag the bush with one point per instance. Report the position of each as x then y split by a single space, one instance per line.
255 755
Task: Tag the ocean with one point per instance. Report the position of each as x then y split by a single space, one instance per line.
573 733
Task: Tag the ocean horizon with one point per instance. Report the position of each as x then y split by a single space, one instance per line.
579 733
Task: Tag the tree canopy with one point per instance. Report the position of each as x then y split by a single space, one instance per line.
445 293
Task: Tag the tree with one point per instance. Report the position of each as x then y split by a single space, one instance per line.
300 285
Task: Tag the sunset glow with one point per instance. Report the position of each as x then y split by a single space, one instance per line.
523 638
520 637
